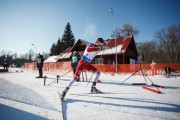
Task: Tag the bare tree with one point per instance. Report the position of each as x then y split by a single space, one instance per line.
30 54
127 30
169 43
149 50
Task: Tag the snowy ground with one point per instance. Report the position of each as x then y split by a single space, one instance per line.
23 97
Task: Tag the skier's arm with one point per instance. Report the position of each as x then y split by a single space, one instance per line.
93 48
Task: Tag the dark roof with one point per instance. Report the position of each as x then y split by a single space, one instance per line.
67 50
124 41
80 45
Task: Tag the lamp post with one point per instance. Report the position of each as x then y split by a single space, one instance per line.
111 11
36 49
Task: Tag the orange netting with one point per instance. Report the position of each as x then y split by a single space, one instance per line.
60 67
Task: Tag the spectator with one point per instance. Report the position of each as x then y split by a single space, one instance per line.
167 71
39 64
74 61
153 68
5 64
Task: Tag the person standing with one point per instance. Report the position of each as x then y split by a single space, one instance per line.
153 68
39 64
5 64
85 64
74 61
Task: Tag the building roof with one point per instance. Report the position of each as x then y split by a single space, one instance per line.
111 50
65 54
51 59
66 50
122 44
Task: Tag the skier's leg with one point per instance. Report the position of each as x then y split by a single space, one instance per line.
93 87
40 72
76 76
66 89
97 73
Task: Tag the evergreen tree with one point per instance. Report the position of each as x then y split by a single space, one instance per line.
53 50
62 44
67 38
58 47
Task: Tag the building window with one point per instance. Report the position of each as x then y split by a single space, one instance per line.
109 62
99 60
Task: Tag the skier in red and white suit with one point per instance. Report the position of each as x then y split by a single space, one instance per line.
85 64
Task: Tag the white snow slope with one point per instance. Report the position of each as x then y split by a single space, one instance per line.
23 97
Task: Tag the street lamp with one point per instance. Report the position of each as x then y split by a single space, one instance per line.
36 49
111 11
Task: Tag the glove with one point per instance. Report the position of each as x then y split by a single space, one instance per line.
104 48
101 44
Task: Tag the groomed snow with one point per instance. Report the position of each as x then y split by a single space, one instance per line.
23 97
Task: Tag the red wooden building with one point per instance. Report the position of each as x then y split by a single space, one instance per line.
125 46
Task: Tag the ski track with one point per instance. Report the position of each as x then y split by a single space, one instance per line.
22 96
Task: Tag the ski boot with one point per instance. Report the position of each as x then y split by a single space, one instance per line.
95 90
63 94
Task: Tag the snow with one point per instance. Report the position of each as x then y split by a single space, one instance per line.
51 59
111 50
58 57
23 97
64 55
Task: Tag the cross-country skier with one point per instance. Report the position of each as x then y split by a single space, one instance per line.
85 64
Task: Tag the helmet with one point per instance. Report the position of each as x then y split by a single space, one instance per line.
100 40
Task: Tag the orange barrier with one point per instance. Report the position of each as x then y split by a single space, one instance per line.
150 89
61 67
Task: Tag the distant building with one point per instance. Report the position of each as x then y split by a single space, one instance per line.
126 51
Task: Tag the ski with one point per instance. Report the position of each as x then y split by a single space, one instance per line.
62 106
96 93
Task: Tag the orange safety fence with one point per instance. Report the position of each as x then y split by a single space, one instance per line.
62 67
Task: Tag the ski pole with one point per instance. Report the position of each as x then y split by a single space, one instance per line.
66 73
152 82
89 80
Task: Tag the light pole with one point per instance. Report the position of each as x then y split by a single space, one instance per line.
36 49
111 11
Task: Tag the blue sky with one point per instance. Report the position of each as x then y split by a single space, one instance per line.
42 22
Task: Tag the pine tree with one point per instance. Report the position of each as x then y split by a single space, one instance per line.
67 38
58 47
62 44
53 50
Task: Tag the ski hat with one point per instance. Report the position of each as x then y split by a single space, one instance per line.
74 52
100 40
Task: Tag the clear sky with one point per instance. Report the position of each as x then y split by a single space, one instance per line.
42 22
